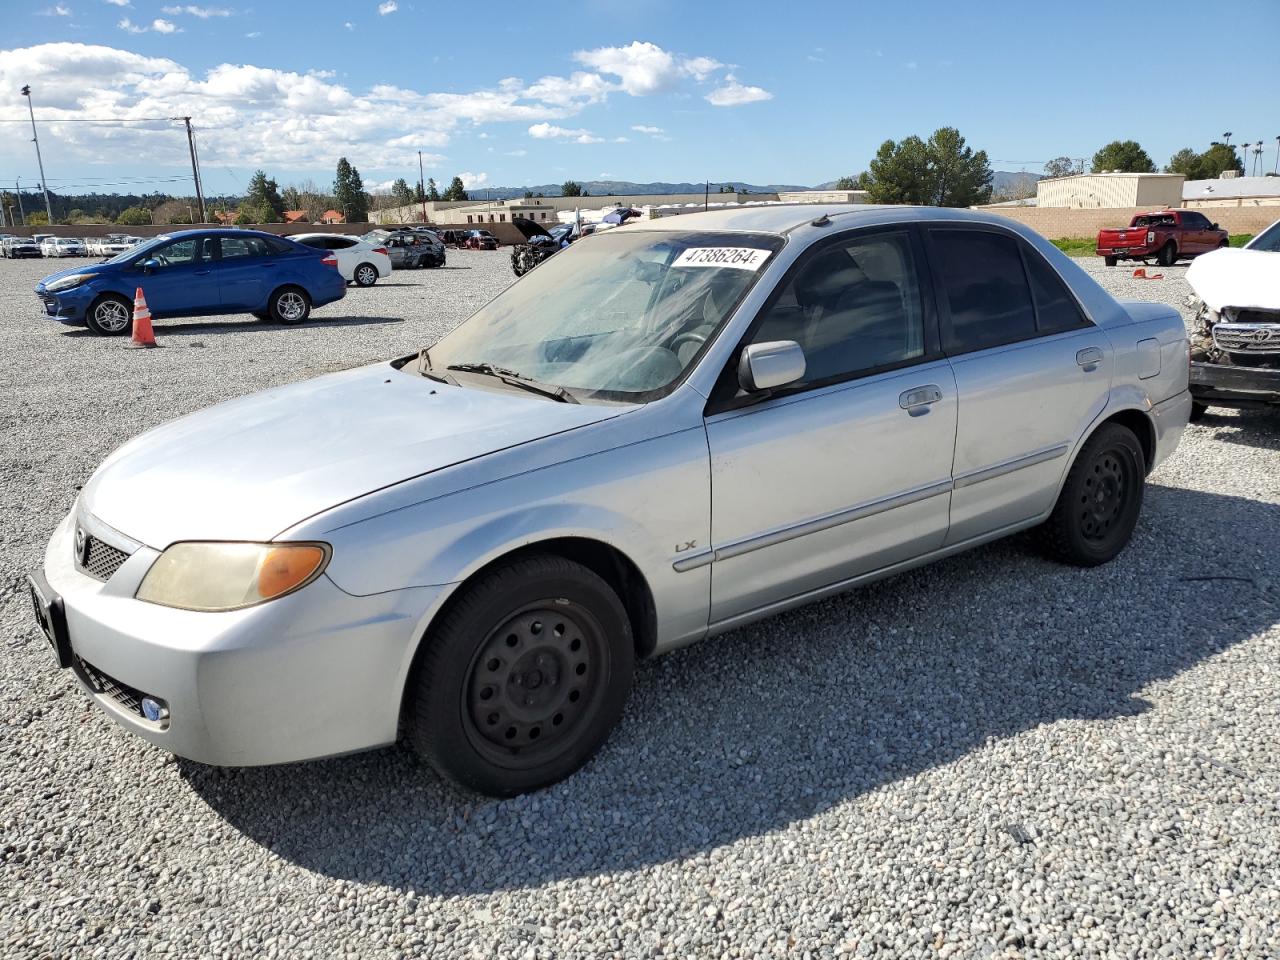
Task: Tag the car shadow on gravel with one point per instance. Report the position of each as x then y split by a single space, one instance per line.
778 722
1248 428
245 326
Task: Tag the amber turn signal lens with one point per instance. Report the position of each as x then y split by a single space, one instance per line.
284 568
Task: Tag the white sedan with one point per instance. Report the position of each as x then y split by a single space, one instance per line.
359 261
63 247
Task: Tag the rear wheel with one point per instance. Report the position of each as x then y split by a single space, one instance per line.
289 305
1110 261
1100 501
1198 410
523 678
110 315
1168 254
366 275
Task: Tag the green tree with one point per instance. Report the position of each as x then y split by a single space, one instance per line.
570 189
1059 167
256 213
348 193
846 183
291 196
134 216
456 190
528 195
418 193
433 193
1127 156
941 172
1218 159
38 218
263 192
401 192
1186 162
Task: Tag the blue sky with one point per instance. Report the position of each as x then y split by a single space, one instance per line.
637 90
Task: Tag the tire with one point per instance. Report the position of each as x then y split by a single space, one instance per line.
522 678
1198 411
1110 261
111 315
1168 255
365 274
1100 502
290 306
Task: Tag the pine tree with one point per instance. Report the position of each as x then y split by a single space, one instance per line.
432 192
348 193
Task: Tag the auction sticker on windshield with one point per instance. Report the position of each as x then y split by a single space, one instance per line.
740 258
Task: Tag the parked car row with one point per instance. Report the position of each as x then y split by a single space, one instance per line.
47 245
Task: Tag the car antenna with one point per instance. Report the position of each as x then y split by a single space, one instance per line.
821 221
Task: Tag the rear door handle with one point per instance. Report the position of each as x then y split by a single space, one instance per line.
1089 357
918 399
203 273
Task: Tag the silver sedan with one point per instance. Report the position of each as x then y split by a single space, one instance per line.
660 434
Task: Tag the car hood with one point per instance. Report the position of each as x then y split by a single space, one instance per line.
1237 278
253 467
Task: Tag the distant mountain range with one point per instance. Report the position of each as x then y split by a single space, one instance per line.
1002 182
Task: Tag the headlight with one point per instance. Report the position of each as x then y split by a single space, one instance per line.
229 576
66 283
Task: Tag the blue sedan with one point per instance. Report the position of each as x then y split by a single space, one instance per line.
197 273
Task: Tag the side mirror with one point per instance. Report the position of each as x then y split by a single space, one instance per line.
149 264
1216 227
765 366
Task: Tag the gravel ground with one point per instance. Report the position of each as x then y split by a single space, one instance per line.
993 756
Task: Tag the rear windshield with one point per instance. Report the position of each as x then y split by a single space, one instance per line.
1155 221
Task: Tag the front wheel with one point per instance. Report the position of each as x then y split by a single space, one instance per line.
523 677
289 305
366 275
1168 255
1099 505
110 315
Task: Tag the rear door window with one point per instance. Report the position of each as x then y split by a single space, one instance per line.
985 286
237 248
1056 308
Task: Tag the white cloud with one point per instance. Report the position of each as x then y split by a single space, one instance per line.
516 153
389 6
349 25
157 26
254 35
911 65
700 68
57 10
117 3
204 13
549 131
645 68
652 131
733 94
471 180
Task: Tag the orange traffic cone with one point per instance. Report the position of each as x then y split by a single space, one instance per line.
143 335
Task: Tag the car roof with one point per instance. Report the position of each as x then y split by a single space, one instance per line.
783 218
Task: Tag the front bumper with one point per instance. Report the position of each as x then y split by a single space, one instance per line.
66 306
1226 385
317 673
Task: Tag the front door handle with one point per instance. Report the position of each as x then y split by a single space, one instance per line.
203 273
1089 357
917 399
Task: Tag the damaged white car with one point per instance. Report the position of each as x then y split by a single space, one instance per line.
1235 343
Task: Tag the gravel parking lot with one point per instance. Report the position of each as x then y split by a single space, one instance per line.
992 756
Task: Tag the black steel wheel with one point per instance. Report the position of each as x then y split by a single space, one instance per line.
522 678
1168 254
1110 261
1100 501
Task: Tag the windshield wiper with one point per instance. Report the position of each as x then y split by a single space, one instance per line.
512 378
425 369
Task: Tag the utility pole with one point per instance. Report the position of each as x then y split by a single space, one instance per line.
48 207
422 187
195 167
1277 170
22 214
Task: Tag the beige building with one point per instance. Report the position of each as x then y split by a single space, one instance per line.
449 211
823 196
1089 190
1232 192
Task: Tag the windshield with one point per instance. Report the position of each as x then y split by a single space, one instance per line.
142 249
1268 239
621 316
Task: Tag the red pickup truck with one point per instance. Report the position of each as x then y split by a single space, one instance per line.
1165 235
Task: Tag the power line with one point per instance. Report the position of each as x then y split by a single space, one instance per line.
97 120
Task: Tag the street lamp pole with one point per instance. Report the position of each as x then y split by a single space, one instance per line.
48 207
